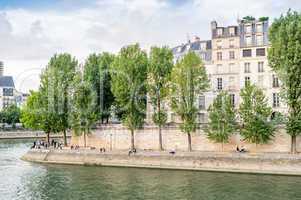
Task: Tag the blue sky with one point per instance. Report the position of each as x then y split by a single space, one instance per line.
31 31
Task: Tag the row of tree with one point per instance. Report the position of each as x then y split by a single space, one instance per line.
75 97
10 115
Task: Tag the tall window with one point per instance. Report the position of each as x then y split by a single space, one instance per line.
219 69
259 40
231 43
260 52
248 40
247 53
260 67
259 28
247 80
232 99
275 81
219 83
232 31
220 32
231 55
248 28
219 55
8 92
219 44
201 117
202 105
247 67
276 100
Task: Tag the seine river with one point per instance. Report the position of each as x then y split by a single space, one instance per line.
22 180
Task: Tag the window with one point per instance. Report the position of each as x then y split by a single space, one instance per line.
219 55
231 43
259 28
247 67
202 103
276 102
219 83
260 81
248 28
247 53
260 67
248 40
232 31
219 69
259 40
219 44
275 81
219 31
260 52
247 80
231 68
201 117
8 92
232 99
231 55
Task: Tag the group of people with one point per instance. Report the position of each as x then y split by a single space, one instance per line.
39 144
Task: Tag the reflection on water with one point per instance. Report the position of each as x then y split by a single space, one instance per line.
22 180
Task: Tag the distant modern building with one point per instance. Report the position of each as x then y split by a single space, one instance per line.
235 56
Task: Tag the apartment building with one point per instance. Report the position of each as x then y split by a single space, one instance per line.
234 56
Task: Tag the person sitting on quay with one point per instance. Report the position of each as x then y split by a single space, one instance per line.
102 150
133 151
241 150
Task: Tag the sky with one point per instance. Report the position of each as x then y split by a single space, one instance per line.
31 31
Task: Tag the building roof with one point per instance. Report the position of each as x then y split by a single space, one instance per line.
7 81
192 46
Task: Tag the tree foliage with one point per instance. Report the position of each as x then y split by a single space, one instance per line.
83 115
129 74
255 113
285 58
189 79
96 72
222 119
10 115
159 70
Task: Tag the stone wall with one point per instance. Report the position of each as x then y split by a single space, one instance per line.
116 137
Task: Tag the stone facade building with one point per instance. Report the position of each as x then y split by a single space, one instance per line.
234 55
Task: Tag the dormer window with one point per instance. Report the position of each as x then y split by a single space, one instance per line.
232 31
248 28
219 31
259 28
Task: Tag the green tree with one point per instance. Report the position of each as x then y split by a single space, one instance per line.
11 115
222 119
96 72
159 70
255 113
189 79
83 115
60 77
129 74
285 59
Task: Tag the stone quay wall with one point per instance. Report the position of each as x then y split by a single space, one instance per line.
117 137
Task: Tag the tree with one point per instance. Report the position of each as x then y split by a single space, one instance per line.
96 72
11 115
255 113
82 114
222 119
189 79
129 74
159 70
35 115
284 57
61 74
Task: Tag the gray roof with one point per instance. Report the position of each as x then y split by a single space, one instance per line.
192 46
7 81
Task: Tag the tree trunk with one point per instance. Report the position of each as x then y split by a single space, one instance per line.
85 140
189 142
48 138
160 138
294 145
65 138
132 140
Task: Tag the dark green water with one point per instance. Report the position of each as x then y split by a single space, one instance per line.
22 180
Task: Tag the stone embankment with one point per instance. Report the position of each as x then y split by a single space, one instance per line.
267 163
27 135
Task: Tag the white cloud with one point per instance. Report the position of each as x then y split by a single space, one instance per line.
28 38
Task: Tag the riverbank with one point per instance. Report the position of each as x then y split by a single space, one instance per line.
27 135
266 163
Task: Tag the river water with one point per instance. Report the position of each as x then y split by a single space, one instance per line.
23 180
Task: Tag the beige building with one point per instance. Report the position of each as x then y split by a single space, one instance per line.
234 55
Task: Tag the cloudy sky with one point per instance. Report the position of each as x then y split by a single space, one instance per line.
31 31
